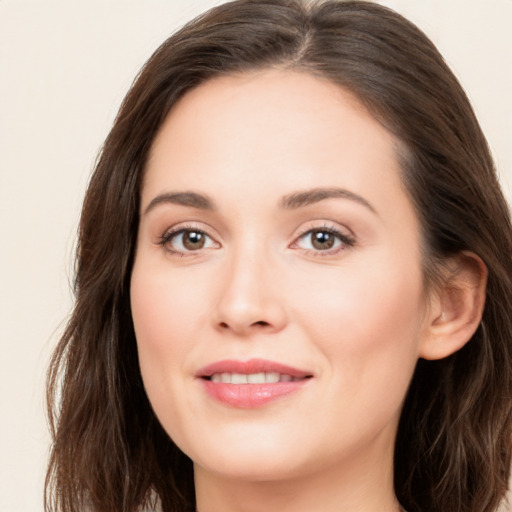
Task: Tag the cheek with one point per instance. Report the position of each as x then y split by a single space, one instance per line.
166 318
361 299
367 322
164 310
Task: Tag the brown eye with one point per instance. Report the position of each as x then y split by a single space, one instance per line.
187 240
322 240
193 240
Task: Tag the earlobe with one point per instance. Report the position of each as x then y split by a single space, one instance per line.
456 307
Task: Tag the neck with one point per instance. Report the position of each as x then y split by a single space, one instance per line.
358 486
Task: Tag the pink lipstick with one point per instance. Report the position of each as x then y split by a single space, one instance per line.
252 383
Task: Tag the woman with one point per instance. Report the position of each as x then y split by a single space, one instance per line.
293 279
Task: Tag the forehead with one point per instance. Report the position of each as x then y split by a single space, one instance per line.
267 106
274 131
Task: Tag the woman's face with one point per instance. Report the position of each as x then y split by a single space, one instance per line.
277 290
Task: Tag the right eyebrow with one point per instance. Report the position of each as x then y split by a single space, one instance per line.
190 199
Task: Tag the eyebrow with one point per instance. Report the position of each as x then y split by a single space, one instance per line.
315 195
291 201
190 199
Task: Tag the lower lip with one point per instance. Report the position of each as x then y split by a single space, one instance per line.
248 396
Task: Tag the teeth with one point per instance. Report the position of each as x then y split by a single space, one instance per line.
256 378
252 378
237 378
272 377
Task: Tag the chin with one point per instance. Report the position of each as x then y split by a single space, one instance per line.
259 455
254 467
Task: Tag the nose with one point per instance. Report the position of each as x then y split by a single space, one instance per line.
250 299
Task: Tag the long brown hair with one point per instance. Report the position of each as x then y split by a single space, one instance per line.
453 449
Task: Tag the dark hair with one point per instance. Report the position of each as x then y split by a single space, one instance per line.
453 448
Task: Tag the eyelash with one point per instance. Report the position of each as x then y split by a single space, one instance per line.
168 236
346 241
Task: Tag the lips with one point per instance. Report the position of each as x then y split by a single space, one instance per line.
248 384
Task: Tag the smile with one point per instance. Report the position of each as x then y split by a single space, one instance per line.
252 378
250 384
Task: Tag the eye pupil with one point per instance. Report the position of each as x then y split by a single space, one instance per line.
193 240
322 240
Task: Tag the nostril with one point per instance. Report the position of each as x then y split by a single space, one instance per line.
254 325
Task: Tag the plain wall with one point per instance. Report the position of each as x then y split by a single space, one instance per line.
64 69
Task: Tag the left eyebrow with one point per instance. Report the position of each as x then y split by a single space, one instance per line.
315 195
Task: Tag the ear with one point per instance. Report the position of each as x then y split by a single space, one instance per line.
456 306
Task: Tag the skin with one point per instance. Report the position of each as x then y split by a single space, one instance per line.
356 317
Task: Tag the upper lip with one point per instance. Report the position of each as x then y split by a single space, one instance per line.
250 367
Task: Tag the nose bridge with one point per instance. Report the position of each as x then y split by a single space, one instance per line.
248 297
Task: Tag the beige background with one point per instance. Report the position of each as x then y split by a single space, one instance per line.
64 68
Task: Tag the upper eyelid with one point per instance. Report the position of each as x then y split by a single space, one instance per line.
330 226
188 226
346 239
